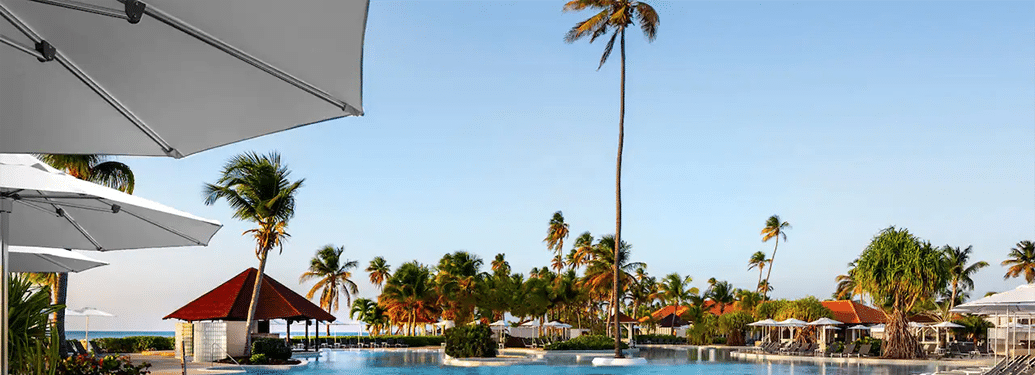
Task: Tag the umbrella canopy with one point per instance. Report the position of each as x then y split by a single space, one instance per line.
50 208
500 323
946 325
179 77
1020 299
39 259
825 322
859 327
87 312
791 322
556 324
763 323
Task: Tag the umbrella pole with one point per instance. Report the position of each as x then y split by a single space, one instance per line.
5 212
87 331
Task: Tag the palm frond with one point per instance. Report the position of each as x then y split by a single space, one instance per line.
648 20
607 49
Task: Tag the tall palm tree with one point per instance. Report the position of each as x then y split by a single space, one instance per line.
758 260
897 270
379 271
583 250
555 235
259 190
410 293
1021 260
959 272
774 228
616 16
500 265
458 279
722 294
369 312
334 278
99 170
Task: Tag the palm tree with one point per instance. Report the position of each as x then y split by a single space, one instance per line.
676 290
369 312
598 277
99 170
379 271
410 293
614 15
722 294
898 271
959 272
1021 260
500 265
847 287
758 260
458 278
774 228
258 188
583 250
555 235
334 277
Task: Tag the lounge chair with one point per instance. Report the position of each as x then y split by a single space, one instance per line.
79 347
864 350
825 352
527 343
72 350
849 350
790 348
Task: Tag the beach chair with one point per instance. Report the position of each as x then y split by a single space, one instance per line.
789 348
864 350
71 349
849 350
825 352
527 343
809 349
93 347
79 347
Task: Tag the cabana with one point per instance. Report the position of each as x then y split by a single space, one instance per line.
214 324
1005 310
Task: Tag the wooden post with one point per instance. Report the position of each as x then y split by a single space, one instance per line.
289 333
183 354
307 335
317 331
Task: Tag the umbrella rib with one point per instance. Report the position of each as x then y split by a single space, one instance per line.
91 83
21 47
71 220
170 230
73 205
207 38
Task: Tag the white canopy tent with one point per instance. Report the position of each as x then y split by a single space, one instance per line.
1011 305
825 323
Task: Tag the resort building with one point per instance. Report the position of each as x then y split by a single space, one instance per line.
214 324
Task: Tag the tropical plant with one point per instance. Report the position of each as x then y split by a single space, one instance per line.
599 276
1021 260
897 270
258 188
369 312
733 326
99 170
974 327
32 342
721 293
747 300
774 228
555 235
758 260
410 293
334 278
582 252
457 280
467 341
847 288
959 271
500 265
676 290
379 271
614 15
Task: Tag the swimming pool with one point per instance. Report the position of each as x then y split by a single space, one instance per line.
661 362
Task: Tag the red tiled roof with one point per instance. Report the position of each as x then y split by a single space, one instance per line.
664 312
852 312
622 318
230 300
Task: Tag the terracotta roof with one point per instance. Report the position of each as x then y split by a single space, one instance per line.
622 318
229 301
852 312
665 312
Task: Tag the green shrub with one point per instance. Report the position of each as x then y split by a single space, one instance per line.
586 342
719 340
875 343
657 338
97 365
258 359
470 341
273 348
133 344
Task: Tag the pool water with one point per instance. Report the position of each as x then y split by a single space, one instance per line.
660 362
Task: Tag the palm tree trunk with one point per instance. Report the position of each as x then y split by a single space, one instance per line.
61 298
951 301
254 303
760 269
618 204
765 292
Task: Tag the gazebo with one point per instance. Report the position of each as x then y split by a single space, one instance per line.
215 322
626 321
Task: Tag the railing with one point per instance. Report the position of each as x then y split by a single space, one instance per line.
215 345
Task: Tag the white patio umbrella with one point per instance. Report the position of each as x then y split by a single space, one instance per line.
946 326
858 327
825 323
173 77
87 312
40 259
500 323
42 206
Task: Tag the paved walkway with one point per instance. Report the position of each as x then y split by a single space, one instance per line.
166 364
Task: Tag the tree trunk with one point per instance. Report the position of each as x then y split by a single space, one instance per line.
765 292
618 205
899 343
255 303
952 302
760 270
61 298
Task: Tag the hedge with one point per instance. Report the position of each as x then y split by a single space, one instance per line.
586 342
134 344
272 348
468 341
412 341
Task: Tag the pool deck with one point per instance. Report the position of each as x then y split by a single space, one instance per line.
953 362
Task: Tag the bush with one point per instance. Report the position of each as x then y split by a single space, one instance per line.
470 341
587 342
258 359
133 344
412 341
656 338
272 348
719 340
875 348
97 365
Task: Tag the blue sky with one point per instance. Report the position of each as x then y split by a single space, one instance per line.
841 117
